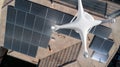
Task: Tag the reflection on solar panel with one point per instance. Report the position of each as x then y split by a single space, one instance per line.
100 57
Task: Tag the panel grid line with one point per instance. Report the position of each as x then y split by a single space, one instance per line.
62 18
23 31
70 32
43 26
94 29
31 35
13 30
26 42
30 7
102 44
36 15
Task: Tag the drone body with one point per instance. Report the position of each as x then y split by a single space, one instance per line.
82 25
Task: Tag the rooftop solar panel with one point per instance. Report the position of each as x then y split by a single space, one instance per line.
96 43
9 29
27 34
67 18
23 5
100 45
16 44
38 26
107 46
93 5
64 31
18 32
7 42
24 47
47 27
100 57
74 34
32 50
55 15
20 18
44 41
114 14
29 20
19 35
101 31
39 10
11 14
36 38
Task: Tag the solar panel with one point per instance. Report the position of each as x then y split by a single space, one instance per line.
27 34
23 5
114 14
107 46
44 40
100 57
36 38
29 21
47 27
7 42
20 18
67 18
96 43
19 31
9 29
93 5
39 24
101 31
32 50
24 47
101 45
55 15
39 10
16 44
64 31
11 14
74 34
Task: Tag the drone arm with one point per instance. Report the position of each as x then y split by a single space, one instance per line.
74 18
80 9
109 20
83 35
64 26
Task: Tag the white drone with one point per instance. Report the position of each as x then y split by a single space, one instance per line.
82 25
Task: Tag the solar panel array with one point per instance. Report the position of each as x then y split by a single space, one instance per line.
101 45
93 5
50 16
28 25
100 57
101 48
101 31
19 35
